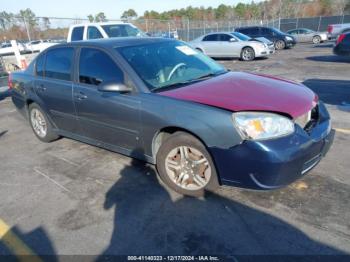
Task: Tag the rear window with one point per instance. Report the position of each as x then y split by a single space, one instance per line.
93 33
59 63
77 33
121 30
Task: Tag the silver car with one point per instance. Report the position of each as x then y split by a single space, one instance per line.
223 44
304 35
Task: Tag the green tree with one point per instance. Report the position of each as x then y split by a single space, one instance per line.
29 17
100 17
129 14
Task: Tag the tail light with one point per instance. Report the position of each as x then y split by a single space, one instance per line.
330 29
340 38
10 81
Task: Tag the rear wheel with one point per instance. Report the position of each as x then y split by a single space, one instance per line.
316 39
40 124
248 54
184 164
280 44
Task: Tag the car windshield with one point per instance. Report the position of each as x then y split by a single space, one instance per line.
122 30
241 36
169 64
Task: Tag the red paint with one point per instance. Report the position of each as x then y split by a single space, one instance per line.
238 91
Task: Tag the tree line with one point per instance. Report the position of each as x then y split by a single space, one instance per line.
263 10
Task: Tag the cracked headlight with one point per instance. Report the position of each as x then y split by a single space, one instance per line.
261 125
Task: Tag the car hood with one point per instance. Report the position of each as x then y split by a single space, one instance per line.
262 40
237 91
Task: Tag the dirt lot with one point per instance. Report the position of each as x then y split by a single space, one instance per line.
71 198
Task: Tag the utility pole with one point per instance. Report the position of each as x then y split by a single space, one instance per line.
27 29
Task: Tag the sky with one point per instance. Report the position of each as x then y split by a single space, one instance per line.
112 8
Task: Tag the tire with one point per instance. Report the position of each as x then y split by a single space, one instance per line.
191 178
280 44
316 39
247 54
40 124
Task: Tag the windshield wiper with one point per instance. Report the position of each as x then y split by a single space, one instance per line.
200 78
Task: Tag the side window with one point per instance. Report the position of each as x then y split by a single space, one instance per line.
39 65
77 33
214 37
93 33
59 63
225 37
253 31
266 31
95 67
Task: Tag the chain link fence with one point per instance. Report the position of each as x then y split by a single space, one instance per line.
56 29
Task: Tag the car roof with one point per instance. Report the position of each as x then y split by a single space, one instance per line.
101 23
117 42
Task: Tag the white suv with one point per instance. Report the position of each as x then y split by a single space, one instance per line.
102 30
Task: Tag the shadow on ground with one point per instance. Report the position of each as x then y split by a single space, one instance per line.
148 221
334 92
330 58
34 246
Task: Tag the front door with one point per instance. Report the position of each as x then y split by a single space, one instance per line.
106 117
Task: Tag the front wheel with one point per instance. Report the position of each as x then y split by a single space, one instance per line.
40 124
280 44
248 54
184 164
316 39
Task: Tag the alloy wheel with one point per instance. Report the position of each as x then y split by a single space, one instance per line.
248 54
188 168
38 122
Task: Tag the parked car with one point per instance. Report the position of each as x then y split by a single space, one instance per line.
7 48
39 45
280 39
307 35
102 30
161 101
342 46
335 30
223 44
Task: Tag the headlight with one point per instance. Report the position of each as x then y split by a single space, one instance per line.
289 38
260 125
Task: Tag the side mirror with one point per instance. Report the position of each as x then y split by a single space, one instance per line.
112 86
233 40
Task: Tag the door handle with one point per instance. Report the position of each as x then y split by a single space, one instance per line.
81 96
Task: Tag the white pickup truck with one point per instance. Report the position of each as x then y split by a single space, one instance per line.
336 29
102 30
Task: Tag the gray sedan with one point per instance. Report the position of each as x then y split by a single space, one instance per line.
308 35
223 44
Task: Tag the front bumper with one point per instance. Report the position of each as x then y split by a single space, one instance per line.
290 43
278 162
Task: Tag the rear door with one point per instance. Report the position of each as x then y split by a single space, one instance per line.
53 86
106 117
